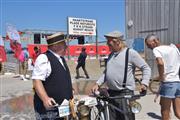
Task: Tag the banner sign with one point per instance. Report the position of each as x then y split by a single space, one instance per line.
103 50
74 50
91 50
81 26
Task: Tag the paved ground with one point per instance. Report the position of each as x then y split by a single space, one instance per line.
12 87
16 95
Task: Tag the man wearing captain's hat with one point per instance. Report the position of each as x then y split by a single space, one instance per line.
51 78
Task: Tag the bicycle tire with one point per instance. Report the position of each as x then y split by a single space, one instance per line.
154 86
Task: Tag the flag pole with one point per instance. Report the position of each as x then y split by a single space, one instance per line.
96 42
67 37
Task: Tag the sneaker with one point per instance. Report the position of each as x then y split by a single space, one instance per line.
27 76
22 77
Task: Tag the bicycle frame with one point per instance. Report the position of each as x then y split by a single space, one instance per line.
105 100
103 110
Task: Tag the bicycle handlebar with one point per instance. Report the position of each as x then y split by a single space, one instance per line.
106 98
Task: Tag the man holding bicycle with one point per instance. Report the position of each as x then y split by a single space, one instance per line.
119 74
168 63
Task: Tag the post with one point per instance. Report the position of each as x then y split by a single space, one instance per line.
67 37
96 43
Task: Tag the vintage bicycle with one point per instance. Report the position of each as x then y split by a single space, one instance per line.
101 111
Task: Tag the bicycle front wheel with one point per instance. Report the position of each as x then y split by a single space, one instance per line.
95 114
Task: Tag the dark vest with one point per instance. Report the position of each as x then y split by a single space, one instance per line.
58 85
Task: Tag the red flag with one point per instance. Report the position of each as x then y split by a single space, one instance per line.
2 51
2 54
16 48
14 38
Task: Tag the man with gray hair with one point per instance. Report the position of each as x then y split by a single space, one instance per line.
168 63
119 74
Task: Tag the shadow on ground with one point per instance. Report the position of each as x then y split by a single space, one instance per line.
154 115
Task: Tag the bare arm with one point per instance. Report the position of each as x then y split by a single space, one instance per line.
160 65
41 92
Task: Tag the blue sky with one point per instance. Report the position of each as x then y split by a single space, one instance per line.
52 14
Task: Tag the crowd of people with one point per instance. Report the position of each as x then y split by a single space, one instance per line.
52 79
51 75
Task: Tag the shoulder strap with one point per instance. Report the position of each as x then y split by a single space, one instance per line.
125 68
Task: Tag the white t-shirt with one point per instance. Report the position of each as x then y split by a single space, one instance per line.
171 58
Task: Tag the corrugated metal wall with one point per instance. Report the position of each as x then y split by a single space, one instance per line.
161 17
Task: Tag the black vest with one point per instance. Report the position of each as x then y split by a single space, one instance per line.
58 85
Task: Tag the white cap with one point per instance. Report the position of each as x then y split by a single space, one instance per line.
115 34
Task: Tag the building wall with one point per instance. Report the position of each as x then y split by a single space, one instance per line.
29 36
161 17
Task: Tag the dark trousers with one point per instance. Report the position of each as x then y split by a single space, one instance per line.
122 104
47 116
84 69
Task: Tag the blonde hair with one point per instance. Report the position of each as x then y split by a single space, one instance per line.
123 44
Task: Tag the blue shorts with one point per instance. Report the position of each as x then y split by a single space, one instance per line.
170 89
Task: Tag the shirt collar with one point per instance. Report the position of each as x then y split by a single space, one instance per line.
58 56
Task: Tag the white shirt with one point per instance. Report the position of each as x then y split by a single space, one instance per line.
42 67
171 58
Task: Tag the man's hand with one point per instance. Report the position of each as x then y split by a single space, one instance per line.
49 102
143 89
95 88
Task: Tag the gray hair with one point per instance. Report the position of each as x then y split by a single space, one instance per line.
151 35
